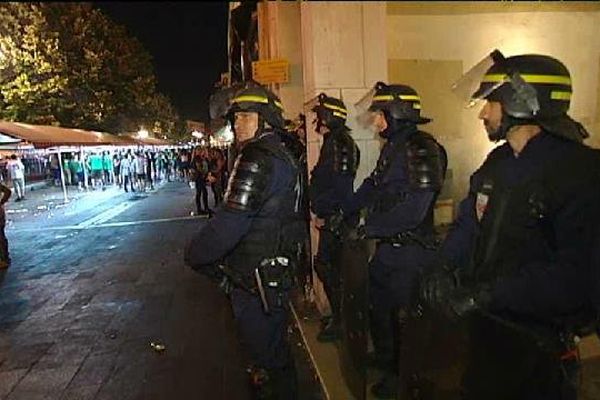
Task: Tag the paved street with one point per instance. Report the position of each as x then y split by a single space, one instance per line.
93 283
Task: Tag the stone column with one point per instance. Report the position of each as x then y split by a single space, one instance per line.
334 47
344 53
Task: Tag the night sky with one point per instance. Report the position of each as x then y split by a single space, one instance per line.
188 42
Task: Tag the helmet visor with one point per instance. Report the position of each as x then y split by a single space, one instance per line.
364 114
220 102
470 87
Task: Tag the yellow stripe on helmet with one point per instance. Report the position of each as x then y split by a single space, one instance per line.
389 97
559 95
383 97
417 106
256 99
547 79
339 114
335 108
409 97
251 99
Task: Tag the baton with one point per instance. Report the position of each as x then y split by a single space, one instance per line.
261 290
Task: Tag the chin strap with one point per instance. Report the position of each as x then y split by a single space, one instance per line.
506 124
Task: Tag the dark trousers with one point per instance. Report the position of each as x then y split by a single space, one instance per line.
201 195
328 270
149 178
4 256
217 192
127 181
393 277
264 338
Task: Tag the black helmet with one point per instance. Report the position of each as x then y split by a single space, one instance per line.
548 77
401 102
330 111
260 100
532 88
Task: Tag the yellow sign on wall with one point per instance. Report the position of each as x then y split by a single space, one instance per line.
271 71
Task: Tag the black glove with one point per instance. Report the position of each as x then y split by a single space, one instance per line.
212 271
334 223
464 300
436 287
442 290
353 227
226 285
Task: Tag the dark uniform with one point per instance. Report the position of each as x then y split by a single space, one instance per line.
331 188
517 257
251 243
400 196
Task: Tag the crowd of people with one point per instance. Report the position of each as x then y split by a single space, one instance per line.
139 170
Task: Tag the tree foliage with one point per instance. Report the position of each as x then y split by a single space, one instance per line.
68 64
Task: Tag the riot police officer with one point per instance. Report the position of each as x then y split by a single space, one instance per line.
250 244
331 187
399 197
514 266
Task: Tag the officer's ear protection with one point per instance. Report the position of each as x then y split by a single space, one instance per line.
525 97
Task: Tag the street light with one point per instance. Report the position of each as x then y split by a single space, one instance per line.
143 133
198 135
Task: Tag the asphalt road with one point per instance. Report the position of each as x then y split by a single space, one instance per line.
92 284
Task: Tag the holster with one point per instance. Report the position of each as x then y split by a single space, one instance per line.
270 280
274 278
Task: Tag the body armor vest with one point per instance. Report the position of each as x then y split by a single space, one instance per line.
277 228
425 162
517 218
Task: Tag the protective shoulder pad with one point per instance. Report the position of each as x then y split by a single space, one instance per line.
346 155
246 190
427 162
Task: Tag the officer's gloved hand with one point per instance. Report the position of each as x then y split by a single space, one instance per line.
464 300
436 287
226 285
352 228
335 222
355 233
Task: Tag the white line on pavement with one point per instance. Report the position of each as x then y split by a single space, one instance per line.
108 225
106 215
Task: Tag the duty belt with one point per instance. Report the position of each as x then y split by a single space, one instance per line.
261 281
409 237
